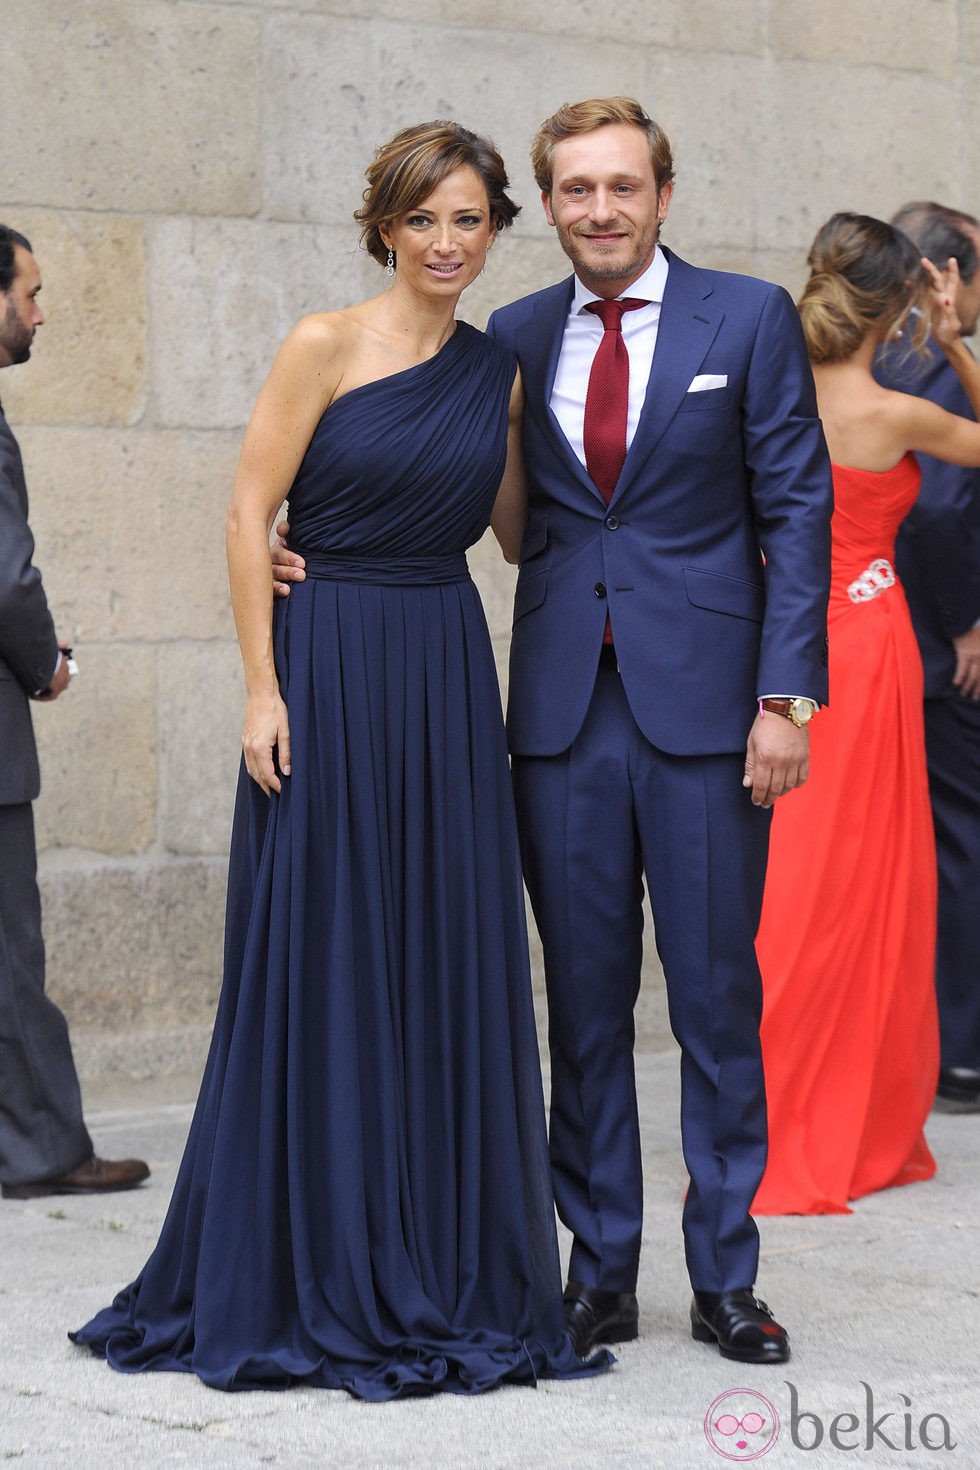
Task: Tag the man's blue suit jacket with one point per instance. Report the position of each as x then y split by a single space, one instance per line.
713 480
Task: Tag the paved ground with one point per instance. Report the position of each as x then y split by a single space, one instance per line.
888 1297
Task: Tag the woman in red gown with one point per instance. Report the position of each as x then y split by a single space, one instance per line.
847 939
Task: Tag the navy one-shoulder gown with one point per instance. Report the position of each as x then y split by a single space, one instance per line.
365 1200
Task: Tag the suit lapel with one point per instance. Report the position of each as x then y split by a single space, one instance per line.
540 350
688 326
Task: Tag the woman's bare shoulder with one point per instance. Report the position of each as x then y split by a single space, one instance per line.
322 331
317 355
904 408
339 335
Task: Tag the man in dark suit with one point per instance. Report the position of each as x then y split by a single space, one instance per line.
661 681
938 561
44 1145
661 678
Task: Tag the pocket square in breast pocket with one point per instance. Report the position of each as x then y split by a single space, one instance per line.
703 381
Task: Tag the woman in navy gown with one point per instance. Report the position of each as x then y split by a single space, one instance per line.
364 1201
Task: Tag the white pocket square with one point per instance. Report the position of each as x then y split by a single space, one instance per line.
708 380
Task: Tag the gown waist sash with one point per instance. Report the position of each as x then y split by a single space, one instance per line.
386 571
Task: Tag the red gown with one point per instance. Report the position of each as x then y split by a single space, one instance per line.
847 939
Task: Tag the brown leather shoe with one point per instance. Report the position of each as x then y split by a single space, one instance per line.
95 1176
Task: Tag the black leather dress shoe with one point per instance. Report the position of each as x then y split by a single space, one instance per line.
95 1176
593 1316
959 1084
743 1327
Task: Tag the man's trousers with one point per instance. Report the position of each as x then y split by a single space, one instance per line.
594 821
42 1133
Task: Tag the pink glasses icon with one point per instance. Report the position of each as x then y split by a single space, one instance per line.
735 1428
750 1423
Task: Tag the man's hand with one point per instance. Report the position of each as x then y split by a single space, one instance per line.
967 676
59 680
777 758
287 566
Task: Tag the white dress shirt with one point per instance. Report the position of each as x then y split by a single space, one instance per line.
583 333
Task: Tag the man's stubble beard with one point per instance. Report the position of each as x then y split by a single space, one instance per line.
15 338
593 268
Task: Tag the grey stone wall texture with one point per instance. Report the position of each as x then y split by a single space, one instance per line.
186 170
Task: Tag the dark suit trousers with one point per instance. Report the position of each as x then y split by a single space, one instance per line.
593 822
41 1129
953 755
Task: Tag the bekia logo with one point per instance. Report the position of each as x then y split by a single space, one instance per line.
902 1429
741 1424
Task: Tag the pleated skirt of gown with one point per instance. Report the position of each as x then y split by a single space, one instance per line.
365 1197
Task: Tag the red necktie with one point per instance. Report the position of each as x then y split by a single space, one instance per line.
607 399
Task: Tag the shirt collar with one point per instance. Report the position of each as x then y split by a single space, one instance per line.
648 287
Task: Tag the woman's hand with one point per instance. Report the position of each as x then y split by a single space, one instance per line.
945 323
266 733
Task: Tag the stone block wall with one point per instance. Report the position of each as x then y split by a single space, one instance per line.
186 170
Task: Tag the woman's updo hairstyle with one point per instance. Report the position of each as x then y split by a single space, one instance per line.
405 171
865 275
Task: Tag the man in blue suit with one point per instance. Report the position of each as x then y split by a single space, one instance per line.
938 559
661 677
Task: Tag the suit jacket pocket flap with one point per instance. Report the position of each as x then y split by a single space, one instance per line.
530 592
720 593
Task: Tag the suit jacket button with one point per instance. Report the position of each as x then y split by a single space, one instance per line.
600 589
612 523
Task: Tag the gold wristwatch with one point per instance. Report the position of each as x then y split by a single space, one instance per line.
800 711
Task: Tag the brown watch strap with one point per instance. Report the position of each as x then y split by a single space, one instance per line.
777 706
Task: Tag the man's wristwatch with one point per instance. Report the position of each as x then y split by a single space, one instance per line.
800 711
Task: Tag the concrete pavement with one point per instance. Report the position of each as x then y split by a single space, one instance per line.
888 1297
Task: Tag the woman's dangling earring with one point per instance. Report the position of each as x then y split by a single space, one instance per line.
483 268
390 267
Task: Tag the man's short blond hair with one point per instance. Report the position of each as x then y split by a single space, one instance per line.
584 117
